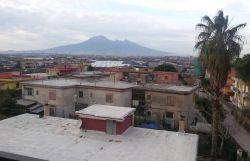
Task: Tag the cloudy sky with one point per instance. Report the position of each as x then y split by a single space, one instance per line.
167 25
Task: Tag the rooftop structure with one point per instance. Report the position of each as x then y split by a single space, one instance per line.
106 112
113 120
53 138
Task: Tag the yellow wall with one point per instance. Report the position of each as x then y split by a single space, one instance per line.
11 83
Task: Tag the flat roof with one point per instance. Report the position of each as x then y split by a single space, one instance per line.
53 138
168 88
106 112
108 64
24 102
74 82
53 82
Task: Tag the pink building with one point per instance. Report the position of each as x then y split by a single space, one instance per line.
113 120
166 77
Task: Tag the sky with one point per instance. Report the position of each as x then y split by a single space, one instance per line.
167 25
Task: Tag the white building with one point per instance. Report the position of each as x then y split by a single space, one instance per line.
61 97
105 64
54 138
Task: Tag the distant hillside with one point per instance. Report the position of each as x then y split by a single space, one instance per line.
100 45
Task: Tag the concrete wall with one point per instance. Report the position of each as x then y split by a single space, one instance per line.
98 96
166 77
63 104
159 105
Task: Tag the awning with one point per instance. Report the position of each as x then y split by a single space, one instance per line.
36 109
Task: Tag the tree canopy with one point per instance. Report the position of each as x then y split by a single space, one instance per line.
242 66
218 44
165 68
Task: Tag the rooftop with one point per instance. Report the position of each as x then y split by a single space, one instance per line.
108 64
106 112
53 138
168 88
53 82
75 82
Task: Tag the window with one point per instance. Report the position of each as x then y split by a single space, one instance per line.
149 113
169 115
166 77
109 98
28 91
37 92
52 95
149 97
80 94
170 101
51 111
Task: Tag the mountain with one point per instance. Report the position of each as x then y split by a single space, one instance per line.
100 45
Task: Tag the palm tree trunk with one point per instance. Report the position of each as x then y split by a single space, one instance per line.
215 121
221 145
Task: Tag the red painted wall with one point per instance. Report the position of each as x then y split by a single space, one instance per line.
5 75
93 124
121 127
166 77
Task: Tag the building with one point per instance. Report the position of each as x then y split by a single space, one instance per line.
62 70
12 81
166 77
32 63
108 64
241 93
168 103
28 137
227 92
113 120
143 75
62 97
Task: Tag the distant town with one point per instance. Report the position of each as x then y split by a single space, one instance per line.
116 100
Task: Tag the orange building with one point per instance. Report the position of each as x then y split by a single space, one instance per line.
166 77
63 69
226 90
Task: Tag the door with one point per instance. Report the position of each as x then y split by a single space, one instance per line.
111 127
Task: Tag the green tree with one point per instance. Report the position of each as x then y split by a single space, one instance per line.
218 44
242 66
165 68
90 68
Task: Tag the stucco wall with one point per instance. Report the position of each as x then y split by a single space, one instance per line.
183 105
64 99
98 96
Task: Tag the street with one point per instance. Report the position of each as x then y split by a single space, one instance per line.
241 135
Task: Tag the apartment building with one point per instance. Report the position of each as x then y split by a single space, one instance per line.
61 97
227 92
166 77
12 81
241 93
168 103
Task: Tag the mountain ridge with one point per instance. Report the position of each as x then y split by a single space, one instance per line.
100 45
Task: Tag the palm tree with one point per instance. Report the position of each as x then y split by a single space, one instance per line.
219 45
